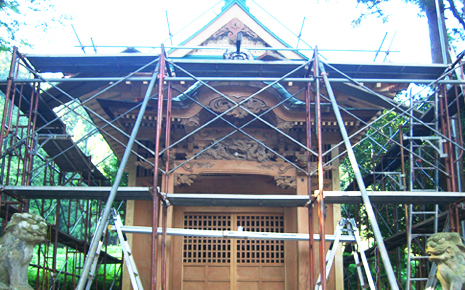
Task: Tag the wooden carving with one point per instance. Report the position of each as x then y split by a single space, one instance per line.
189 167
253 105
282 168
191 122
286 181
184 179
144 164
238 149
284 125
232 28
314 167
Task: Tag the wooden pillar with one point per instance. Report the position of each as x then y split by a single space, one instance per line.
336 279
131 168
302 246
338 266
290 248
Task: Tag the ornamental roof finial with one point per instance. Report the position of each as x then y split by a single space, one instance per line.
242 3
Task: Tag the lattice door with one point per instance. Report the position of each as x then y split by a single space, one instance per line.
209 263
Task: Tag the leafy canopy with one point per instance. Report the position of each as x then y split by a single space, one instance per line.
454 9
17 16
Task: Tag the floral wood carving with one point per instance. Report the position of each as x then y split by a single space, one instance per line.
232 28
237 149
184 179
286 181
253 105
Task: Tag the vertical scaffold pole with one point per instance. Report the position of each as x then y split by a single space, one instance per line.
361 183
7 97
156 197
106 212
308 120
320 199
165 206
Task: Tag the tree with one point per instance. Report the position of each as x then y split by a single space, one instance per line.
18 14
428 8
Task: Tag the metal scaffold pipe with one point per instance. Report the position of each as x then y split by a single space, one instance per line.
156 197
361 183
106 212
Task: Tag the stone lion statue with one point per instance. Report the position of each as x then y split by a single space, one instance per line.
448 252
21 235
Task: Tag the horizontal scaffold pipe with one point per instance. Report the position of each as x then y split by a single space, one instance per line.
232 234
237 79
249 48
251 200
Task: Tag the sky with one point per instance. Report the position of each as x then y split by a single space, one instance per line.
327 25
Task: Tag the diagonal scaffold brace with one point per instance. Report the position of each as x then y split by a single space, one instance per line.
360 182
106 212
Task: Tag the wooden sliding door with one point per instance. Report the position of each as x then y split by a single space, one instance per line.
217 263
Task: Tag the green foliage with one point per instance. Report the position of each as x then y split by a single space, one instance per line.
375 142
66 261
25 14
111 167
88 138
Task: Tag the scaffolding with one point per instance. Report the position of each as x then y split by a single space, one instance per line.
40 145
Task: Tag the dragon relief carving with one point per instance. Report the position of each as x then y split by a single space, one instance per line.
184 179
448 252
237 149
232 28
286 181
253 105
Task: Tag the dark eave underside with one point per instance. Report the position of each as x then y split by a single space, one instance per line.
130 62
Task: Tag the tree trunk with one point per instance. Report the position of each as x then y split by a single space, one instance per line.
435 41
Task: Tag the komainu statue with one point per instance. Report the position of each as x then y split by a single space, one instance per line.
448 252
21 235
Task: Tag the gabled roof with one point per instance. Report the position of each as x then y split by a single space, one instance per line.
235 10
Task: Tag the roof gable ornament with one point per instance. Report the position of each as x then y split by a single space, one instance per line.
232 28
228 3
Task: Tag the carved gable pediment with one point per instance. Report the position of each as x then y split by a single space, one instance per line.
232 28
226 37
222 32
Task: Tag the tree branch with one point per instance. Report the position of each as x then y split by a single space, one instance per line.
456 13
